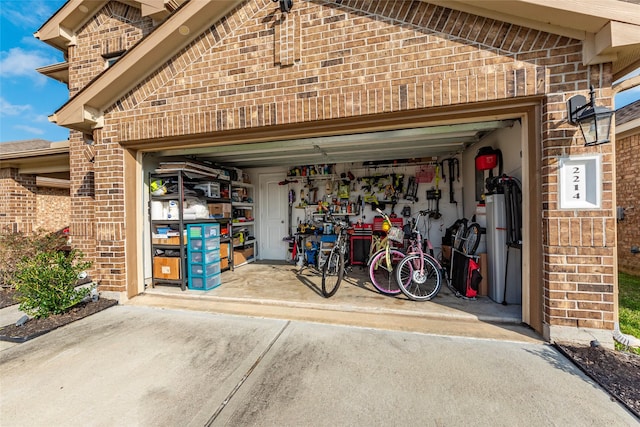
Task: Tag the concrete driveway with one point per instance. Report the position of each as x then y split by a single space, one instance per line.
144 366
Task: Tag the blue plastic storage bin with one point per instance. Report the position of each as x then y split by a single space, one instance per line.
204 230
205 269
205 257
198 244
204 283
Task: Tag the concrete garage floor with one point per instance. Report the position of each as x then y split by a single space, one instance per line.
274 290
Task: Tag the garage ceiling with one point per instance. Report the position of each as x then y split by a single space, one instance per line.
398 144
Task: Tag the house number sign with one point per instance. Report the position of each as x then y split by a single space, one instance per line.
580 182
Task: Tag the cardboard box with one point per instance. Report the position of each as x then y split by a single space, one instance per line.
224 255
166 241
242 255
446 252
219 210
483 287
166 268
224 250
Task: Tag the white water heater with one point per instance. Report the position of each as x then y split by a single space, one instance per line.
500 258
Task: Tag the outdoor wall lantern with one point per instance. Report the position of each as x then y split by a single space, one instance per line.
285 5
594 121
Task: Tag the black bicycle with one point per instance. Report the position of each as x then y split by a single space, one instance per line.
467 237
333 269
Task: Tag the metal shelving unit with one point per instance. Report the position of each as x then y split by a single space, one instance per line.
172 267
242 203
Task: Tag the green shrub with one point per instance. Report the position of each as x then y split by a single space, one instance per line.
45 282
15 246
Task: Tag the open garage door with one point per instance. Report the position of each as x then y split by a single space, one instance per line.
407 152
410 143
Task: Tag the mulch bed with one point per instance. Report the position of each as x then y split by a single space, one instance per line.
618 372
6 297
33 328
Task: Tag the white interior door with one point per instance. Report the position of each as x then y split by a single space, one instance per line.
273 206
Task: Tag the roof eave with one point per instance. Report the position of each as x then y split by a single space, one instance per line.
55 148
609 29
59 72
629 128
59 30
85 110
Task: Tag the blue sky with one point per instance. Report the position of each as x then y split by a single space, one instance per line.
27 98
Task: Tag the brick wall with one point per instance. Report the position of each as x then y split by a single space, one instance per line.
18 201
53 208
628 197
351 58
82 222
351 64
115 28
579 246
27 208
95 214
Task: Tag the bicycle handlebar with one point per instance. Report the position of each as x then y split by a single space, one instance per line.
420 213
384 215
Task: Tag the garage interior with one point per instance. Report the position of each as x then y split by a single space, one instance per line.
298 173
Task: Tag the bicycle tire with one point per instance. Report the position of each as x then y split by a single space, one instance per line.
381 278
332 272
471 239
419 283
458 237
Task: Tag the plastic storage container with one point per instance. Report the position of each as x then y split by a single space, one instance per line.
203 230
204 244
196 257
202 269
205 283
203 256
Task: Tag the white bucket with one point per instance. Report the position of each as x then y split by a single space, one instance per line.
174 212
481 215
158 210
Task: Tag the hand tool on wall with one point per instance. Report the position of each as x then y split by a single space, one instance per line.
412 190
454 168
433 196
